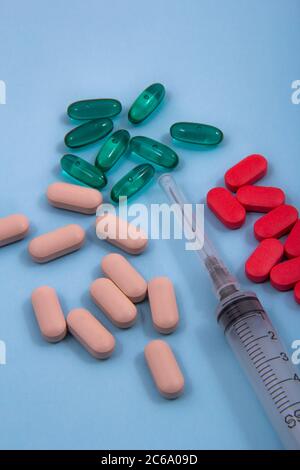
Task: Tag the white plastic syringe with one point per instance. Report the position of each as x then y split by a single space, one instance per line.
251 335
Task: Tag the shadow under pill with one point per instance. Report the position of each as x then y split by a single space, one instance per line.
81 352
64 119
26 259
146 320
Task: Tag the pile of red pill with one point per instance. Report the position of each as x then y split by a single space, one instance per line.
272 259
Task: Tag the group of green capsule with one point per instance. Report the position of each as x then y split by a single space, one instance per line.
98 113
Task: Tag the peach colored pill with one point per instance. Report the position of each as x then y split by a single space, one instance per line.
93 336
111 300
49 314
58 243
13 228
73 197
163 304
123 274
120 233
164 368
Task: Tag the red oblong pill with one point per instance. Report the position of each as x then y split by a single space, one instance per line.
276 223
297 292
226 207
259 264
292 244
247 171
260 198
285 275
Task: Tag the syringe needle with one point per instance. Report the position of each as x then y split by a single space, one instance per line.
224 282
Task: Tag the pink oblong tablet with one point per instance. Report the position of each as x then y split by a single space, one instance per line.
120 233
276 223
268 253
111 300
58 243
297 292
13 228
164 369
292 244
285 275
73 197
163 304
226 207
260 198
93 336
125 276
49 314
247 171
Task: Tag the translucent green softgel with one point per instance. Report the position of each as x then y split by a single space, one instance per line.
132 182
154 151
112 150
146 103
195 133
94 109
83 171
88 132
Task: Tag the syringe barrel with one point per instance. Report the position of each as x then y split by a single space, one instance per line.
268 366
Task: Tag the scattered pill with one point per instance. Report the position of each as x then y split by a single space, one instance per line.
267 254
93 336
94 109
120 233
49 314
226 207
276 223
132 182
154 151
89 132
60 242
260 198
247 171
146 103
83 171
195 133
164 369
111 300
163 305
292 244
13 228
285 275
125 276
297 292
73 197
112 150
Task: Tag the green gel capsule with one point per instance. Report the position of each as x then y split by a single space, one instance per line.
154 151
94 109
113 149
88 132
146 103
83 171
132 182
195 133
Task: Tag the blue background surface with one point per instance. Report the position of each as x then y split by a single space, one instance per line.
229 63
